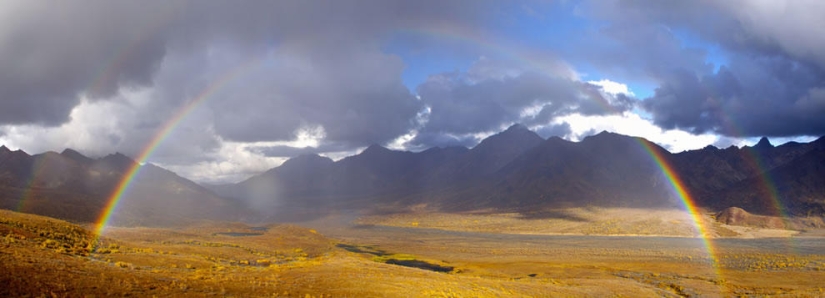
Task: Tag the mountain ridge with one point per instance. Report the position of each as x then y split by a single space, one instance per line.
74 187
512 171
516 170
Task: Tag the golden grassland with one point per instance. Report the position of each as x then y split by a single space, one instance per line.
575 221
45 257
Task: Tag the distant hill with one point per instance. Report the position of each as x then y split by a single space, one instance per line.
518 171
71 186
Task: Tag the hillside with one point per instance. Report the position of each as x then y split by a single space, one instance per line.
74 187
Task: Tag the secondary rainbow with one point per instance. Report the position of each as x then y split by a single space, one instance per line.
29 192
752 157
123 186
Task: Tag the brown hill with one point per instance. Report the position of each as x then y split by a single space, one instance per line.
739 217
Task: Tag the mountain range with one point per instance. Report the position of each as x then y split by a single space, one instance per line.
512 171
71 186
518 171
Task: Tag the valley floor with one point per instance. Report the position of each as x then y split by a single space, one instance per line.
577 221
40 256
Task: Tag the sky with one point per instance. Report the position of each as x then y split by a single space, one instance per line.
267 80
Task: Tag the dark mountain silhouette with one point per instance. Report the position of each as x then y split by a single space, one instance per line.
745 177
76 156
74 187
516 170
605 170
378 173
497 151
512 171
797 186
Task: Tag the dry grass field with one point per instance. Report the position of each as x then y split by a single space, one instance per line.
575 221
45 257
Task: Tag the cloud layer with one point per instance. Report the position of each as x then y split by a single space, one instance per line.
770 84
282 78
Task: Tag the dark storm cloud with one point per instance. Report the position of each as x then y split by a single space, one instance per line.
356 95
767 96
465 103
770 84
52 53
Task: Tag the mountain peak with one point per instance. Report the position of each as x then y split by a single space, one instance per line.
375 148
763 143
307 159
118 160
515 135
76 156
603 135
3 148
517 126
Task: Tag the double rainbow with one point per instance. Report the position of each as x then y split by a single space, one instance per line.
657 154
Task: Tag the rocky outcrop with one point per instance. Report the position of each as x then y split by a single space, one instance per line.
739 217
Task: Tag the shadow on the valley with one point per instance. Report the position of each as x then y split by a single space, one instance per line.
420 265
362 249
551 214
387 258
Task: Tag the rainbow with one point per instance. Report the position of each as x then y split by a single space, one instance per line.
28 192
752 158
540 63
686 199
535 62
166 129
769 187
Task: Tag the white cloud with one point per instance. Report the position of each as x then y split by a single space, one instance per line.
632 124
613 88
232 162
94 128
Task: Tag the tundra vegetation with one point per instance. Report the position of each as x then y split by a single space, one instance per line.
41 256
